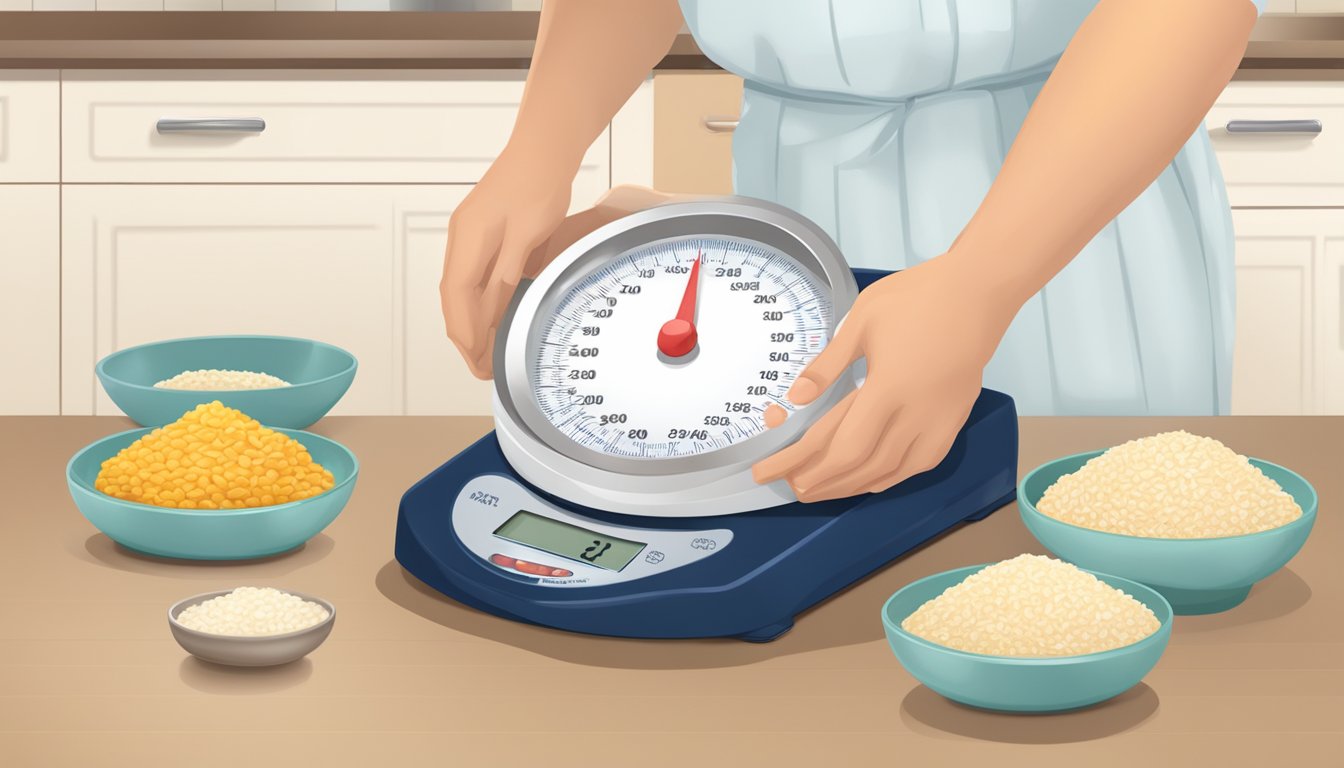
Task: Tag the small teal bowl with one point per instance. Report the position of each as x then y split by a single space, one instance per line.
319 375
1196 576
231 534
1013 684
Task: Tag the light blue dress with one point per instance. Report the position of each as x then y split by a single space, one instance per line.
885 121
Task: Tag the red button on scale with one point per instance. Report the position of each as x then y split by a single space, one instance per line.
532 569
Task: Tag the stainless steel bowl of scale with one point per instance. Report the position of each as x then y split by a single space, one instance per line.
586 407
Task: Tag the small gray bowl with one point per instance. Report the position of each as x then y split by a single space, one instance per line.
236 651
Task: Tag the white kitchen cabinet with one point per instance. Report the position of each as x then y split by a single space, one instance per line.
30 307
1281 169
144 263
328 224
433 127
30 126
1290 345
1273 361
357 266
1330 318
1287 193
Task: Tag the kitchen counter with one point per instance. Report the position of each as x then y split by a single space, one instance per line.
283 39
1308 46
88 668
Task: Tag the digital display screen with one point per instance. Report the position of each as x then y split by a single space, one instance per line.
569 541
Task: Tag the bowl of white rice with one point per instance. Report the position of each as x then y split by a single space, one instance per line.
1028 634
280 381
251 626
1181 513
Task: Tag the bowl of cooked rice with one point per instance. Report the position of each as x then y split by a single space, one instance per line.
1183 514
1028 634
279 380
251 626
213 485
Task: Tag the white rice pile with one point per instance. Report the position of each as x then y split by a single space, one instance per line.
253 612
217 379
1032 606
1171 486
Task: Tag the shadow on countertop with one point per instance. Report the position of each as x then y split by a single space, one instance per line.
848 618
242 681
1278 595
927 713
399 586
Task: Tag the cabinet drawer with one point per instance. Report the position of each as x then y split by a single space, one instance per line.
30 138
347 127
693 120
1268 168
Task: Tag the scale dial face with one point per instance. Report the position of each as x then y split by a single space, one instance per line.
587 368
601 380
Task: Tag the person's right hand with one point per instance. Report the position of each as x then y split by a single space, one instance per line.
511 226
491 238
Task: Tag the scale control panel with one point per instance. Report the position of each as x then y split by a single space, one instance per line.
530 539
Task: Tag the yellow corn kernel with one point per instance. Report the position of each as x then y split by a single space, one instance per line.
214 457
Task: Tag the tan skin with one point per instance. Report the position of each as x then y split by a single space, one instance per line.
1120 117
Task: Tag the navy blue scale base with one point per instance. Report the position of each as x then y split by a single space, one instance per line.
773 564
781 561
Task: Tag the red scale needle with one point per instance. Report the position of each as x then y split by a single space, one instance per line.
677 337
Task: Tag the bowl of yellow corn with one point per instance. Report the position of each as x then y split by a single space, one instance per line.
213 485
279 380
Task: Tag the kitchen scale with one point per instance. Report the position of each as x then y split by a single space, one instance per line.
631 378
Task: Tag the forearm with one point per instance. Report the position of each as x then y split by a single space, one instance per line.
590 57
1128 92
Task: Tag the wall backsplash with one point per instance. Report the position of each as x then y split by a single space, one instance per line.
270 5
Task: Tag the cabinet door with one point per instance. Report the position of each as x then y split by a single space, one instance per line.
1288 356
30 264
355 266
143 263
1330 321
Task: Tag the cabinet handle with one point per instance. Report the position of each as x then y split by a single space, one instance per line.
1274 126
720 124
210 125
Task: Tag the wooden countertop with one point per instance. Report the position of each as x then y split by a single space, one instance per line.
283 40
1305 46
88 669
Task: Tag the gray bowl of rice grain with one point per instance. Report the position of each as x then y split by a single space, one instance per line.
221 628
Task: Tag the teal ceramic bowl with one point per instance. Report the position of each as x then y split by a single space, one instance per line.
233 534
1012 684
1195 575
319 374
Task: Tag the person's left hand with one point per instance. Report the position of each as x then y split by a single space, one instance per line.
927 333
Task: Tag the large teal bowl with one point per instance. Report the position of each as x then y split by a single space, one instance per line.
1195 575
319 374
233 534
1013 684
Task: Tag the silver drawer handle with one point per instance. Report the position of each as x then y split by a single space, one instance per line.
720 124
1273 126
210 125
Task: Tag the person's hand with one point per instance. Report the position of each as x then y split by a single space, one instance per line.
511 226
926 335
491 238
